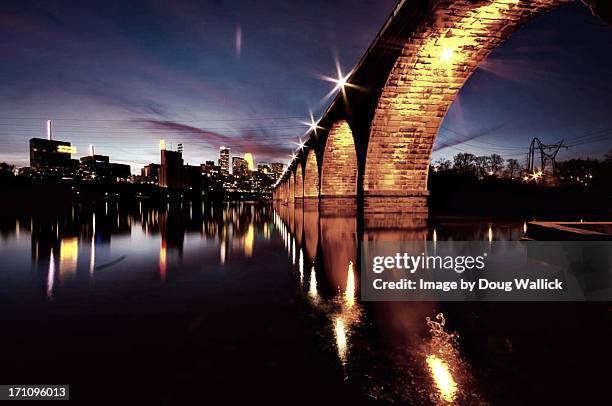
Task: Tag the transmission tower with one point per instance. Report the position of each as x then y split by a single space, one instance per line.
547 166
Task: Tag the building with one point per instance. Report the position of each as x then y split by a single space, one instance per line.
150 174
240 167
172 172
95 167
99 167
224 160
194 176
120 172
248 157
208 166
264 168
277 170
48 154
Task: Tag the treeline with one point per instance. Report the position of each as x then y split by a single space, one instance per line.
583 172
491 185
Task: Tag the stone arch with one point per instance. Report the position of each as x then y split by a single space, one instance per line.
311 176
339 166
435 62
299 182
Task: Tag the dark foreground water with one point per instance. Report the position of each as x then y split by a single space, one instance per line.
233 302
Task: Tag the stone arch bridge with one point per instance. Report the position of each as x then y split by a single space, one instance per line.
373 144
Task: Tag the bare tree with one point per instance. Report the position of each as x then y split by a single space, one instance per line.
513 168
464 162
483 165
496 164
442 165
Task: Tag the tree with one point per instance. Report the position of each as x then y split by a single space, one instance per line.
496 164
464 162
513 168
609 156
442 165
6 169
483 166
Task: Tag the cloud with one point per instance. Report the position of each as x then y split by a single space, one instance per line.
257 141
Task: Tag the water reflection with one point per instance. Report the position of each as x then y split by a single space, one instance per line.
76 245
69 255
349 293
311 231
442 377
389 350
341 343
443 360
327 252
51 276
313 292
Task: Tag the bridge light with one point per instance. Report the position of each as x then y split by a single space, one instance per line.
313 125
447 54
341 81
302 144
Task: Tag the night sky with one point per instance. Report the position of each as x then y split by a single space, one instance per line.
245 74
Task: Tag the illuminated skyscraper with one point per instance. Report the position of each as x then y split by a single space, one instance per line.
248 157
224 160
239 166
264 167
277 169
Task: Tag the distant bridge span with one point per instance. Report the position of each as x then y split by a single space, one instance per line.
377 136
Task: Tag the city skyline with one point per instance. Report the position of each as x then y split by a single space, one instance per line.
546 80
69 150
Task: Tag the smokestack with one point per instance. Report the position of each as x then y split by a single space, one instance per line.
92 150
49 130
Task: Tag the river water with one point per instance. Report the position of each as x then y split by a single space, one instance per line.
246 301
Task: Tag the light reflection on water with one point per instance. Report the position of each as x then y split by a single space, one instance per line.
442 357
330 241
144 244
